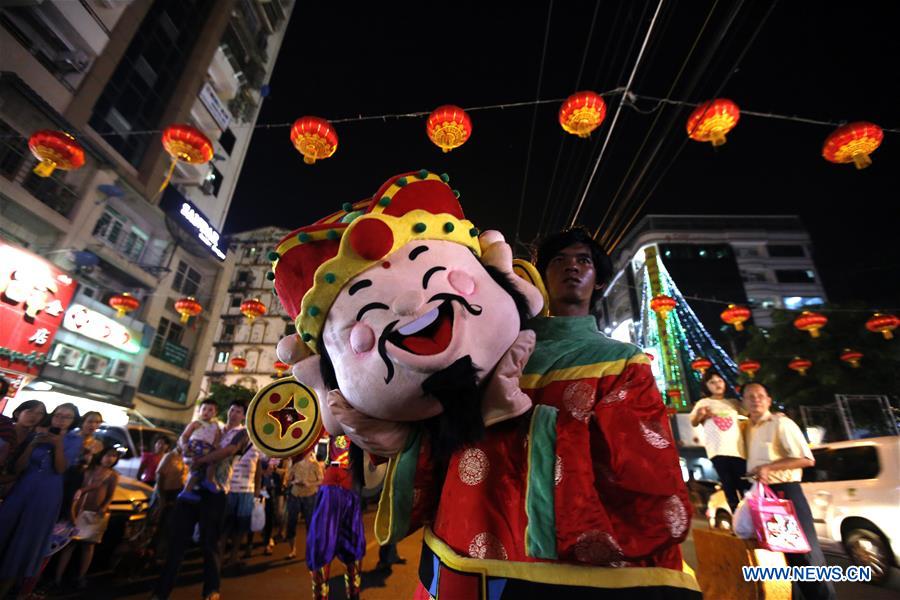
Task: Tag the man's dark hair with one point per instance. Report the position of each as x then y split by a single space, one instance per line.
240 403
209 401
555 243
4 386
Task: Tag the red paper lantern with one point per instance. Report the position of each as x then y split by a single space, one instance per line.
800 365
185 143
701 364
811 322
448 127
187 308
314 138
662 304
852 357
582 113
252 308
750 367
854 143
281 367
238 363
55 150
736 315
124 303
883 324
712 120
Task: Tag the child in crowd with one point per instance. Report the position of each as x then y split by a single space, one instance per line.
199 439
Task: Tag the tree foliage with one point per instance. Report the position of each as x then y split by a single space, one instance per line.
774 348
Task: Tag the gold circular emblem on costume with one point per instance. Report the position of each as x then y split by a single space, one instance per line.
283 419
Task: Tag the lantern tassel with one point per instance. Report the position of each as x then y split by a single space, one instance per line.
168 178
718 139
814 333
887 333
739 326
120 312
46 167
861 161
185 317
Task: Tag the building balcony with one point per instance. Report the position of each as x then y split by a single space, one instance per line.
16 166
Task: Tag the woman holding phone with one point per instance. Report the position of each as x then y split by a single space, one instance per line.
30 510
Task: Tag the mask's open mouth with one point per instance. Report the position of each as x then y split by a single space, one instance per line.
428 335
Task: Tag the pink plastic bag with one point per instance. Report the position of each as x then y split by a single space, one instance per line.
777 526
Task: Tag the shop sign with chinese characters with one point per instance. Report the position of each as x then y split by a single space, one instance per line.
101 328
34 295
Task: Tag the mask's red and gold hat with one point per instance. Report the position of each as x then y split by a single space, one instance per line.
312 264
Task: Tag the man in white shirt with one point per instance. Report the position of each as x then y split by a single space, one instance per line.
777 453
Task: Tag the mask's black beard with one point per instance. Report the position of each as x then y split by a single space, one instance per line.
460 424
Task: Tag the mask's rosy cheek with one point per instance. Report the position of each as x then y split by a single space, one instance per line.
462 282
362 338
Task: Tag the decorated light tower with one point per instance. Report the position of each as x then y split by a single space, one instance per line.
670 328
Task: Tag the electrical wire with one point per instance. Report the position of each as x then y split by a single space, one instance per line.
656 119
562 139
612 126
669 164
533 124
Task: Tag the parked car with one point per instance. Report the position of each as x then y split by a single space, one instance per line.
853 492
132 441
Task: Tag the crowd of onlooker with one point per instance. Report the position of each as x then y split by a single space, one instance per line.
57 481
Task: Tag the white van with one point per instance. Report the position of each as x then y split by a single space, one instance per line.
854 495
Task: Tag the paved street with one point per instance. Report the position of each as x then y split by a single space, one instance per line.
274 577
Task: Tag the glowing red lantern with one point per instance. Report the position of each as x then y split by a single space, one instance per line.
186 144
314 138
662 305
582 113
811 322
852 357
187 308
736 315
800 365
712 120
238 363
55 150
252 308
883 324
448 127
124 303
750 367
854 143
281 367
701 364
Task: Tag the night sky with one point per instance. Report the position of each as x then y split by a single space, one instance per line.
827 61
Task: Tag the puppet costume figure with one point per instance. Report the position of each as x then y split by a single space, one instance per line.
535 454
336 527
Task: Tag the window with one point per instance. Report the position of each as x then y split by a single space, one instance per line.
134 244
109 226
746 252
235 301
797 302
13 150
228 330
213 181
785 251
222 356
245 276
289 329
249 251
121 369
67 356
187 280
162 385
227 141
168 332
843 464
96 364
751 276
795 276
88 291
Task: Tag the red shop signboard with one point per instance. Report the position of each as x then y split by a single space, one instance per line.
34 294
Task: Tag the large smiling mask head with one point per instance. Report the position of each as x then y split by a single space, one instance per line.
393 289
